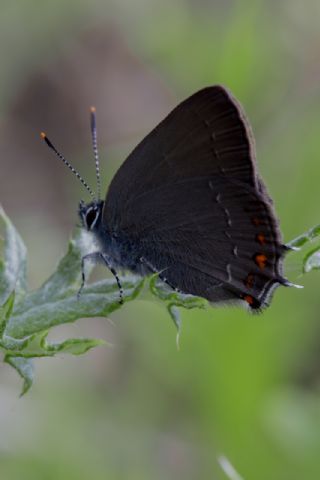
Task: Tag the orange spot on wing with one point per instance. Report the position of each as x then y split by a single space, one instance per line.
249 299
261 238
261 260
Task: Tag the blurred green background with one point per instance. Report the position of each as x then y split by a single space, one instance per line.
246 387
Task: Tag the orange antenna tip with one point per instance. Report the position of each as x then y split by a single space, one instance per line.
92 109
43 135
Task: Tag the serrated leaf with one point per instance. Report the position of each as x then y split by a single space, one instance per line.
311 261
67 277
162 291
301 240
30 347
24 367
97 300
175 300
5 313
12 260
13 344
74 346
175 315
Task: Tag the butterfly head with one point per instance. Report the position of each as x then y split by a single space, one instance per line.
90 214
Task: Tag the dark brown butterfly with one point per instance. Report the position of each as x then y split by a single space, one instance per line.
189 204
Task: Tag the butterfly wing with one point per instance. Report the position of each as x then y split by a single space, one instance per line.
205 134
189 197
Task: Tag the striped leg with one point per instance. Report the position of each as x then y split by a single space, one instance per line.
97 257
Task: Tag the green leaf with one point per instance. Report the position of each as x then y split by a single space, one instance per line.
12 260
311 260
307 237
37 346
66 280
5 313
25 369
174 313
175 299
75 346
162 291
24 325
96 300
57 301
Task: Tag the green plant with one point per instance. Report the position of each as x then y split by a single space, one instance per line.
27 317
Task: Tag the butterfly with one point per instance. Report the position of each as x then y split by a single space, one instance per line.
189 204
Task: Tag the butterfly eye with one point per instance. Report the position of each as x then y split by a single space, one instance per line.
91 217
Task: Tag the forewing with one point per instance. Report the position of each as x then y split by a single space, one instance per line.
205 135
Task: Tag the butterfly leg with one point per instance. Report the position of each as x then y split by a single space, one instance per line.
106 260
98 257
90 256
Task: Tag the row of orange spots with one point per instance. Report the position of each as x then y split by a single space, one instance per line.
260 260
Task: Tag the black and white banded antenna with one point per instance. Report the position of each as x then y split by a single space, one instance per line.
93 125
68 164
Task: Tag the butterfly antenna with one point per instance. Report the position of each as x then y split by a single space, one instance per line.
73 170
93 124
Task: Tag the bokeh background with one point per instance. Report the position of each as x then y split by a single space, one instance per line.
246 387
